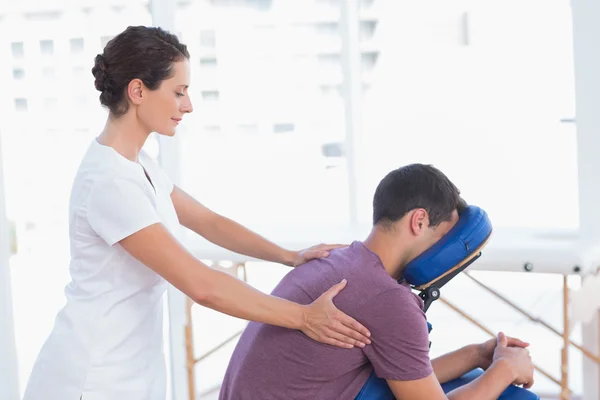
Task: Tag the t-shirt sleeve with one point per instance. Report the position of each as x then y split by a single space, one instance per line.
399 349
118 208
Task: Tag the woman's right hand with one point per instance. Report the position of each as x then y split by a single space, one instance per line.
325 323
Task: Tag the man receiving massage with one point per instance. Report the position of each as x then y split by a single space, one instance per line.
413 207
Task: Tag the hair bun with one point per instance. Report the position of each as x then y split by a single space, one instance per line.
99 72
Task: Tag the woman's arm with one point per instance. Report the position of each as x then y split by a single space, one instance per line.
229 234
155 247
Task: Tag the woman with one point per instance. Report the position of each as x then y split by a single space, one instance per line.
124 218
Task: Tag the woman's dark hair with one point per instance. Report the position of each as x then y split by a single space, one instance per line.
145 53
416 186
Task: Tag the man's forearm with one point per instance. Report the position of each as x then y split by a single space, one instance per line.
488 386
455 364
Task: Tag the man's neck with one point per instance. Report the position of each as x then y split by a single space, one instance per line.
391 249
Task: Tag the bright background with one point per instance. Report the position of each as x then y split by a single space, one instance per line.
296 120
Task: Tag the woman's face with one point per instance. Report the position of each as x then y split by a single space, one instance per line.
161 110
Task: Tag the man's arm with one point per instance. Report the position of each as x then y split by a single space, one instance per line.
509 365
489 386
455 364
400 354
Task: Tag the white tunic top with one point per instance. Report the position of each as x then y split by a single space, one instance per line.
107 341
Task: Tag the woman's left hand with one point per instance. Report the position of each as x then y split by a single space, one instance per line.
324 322
319 251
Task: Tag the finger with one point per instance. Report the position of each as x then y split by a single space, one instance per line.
319 253
335 289
333 334
310 254
514 342
356 326
528 384
338 343
502 341
357 338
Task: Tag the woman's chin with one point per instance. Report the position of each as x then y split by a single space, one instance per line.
167 132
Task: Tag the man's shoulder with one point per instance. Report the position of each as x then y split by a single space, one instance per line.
398 296
393 304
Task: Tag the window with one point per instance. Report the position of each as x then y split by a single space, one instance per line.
333 150
47 47
283 128
210 96
365 4
208 62
18 50
334 155
368 63
18 73
329 59
76 45
328 29
21 104
367 29
42 15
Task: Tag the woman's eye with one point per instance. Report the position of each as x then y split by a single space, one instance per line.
180 94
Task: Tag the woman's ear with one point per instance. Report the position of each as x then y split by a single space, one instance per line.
135 91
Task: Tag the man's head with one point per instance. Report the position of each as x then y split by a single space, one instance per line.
418 205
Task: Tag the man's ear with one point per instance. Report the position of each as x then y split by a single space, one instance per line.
135 91
419 221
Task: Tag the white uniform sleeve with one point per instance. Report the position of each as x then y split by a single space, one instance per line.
118 208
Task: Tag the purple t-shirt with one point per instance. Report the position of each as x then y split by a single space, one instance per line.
270 362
